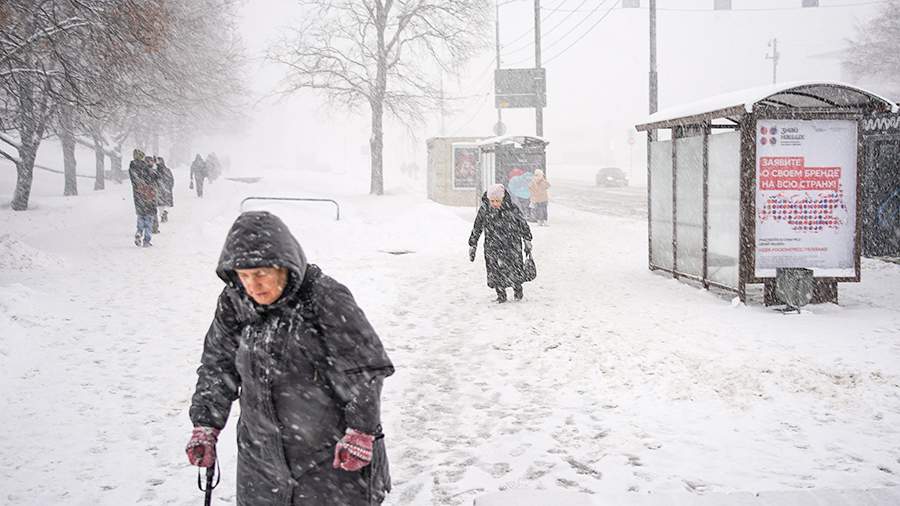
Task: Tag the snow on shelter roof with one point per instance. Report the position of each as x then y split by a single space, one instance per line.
514 139
795 95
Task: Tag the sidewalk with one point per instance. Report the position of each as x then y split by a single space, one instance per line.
814 497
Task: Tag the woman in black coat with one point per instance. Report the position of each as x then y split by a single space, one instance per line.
309 369
505 234
165 188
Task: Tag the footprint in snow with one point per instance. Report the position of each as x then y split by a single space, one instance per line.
584 469
538 470
634 460
696 487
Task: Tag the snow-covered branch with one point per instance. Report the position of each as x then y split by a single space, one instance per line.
9 140
9 157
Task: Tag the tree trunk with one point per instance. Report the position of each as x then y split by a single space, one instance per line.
115 164
25 176
376 148
67 139
100 175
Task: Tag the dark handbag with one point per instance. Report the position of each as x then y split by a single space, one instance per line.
530 268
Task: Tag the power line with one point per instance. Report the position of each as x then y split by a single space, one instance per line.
764 9
583 35
531 30
548 32
473 117
583 19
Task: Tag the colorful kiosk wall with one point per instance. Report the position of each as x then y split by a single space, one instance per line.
742 184
453 170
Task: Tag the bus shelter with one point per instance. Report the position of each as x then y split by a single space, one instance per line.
743 184
509 158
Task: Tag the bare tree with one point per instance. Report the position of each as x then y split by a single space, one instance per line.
874 54
107 68
381 53
51 65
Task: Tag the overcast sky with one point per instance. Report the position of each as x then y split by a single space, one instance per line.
597 86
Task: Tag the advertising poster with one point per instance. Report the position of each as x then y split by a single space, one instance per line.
806 196
465 166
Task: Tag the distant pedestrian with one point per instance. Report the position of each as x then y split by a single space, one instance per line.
165 189
199 172
143 185
518 187
506 233
540 196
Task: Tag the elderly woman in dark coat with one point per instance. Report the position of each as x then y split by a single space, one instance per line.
505 234
292 344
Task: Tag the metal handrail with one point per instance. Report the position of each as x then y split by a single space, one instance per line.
301 199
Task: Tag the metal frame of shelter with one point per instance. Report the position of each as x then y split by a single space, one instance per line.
740 112
490 148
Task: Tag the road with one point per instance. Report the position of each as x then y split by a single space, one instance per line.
628 202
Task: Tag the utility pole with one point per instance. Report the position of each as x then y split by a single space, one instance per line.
497 41
538 111
775 56
654 76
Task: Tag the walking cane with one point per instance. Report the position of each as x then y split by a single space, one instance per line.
211 472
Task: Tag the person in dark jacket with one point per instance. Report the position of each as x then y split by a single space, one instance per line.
164 189
199 171
505 234
309 368
143 185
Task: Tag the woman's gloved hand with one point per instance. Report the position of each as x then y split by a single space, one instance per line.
201 449
527 246
354 451
472 250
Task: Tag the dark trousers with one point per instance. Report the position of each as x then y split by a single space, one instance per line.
540 211
199 183
501 292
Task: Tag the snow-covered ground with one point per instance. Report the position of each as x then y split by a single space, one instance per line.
607 379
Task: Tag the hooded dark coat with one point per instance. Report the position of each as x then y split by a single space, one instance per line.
165 185
504 230
305 369
143 186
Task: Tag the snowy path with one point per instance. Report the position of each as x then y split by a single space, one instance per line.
605 379
601 382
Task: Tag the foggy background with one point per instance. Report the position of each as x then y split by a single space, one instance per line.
597 88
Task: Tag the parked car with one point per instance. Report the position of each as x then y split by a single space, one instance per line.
611 176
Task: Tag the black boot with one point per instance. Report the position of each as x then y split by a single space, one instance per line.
501 295
518 293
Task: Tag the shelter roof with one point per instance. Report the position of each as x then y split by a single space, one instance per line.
809 95
520 140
